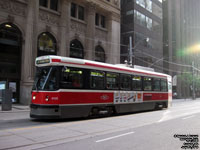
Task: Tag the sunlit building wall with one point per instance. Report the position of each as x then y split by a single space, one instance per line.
181 44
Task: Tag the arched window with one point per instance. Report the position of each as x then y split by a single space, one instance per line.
46 44
10 34
99 54
76 49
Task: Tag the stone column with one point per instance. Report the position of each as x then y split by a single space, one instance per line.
29 51
90 33
64 28
113 23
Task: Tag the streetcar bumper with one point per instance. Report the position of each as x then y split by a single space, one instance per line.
44 111
58 111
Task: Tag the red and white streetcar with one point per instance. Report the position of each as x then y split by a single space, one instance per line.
68 87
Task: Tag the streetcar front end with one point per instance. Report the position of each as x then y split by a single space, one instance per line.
45 94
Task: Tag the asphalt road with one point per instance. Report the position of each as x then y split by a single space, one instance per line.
168 129
156 136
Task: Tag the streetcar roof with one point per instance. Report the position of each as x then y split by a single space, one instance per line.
51 60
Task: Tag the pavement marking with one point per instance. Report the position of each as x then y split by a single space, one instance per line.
30 128
188 117
114 137
165 116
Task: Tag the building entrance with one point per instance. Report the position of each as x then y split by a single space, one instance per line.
10 59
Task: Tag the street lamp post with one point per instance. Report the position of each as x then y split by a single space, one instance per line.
131 48
130 51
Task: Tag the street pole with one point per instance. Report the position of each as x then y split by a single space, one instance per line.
130 51
193 88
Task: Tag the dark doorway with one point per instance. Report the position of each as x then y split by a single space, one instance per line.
10 58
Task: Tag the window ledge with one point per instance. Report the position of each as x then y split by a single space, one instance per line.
50 11
100 28
78 20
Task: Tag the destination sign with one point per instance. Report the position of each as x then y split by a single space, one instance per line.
43 61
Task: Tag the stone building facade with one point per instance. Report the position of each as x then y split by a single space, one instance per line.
87 29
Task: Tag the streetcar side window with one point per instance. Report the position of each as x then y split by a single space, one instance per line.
164 85
97 79
147 84
112 81
125 83
71 78
156 84
137 83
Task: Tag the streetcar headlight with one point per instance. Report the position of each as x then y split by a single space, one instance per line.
34 97
47 98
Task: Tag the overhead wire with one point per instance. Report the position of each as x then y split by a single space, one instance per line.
162 68
141 51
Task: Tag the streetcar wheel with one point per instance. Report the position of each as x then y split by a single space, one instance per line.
94 112
159 106
110 111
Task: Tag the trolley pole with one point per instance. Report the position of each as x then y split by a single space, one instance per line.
130 51
193 88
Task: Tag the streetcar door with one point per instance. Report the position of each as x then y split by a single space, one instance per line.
169 91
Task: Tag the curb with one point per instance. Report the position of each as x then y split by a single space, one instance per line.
14 111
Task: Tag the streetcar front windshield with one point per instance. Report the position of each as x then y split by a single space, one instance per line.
45 79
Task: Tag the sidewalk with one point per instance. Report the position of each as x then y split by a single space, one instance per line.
16 108
184 100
